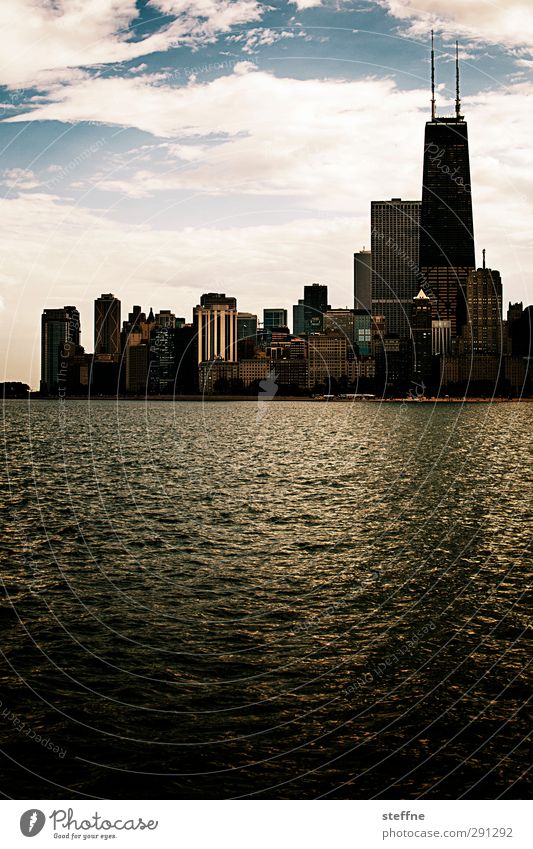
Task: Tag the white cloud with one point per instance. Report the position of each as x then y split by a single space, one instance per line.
40 41
301 5
509 23
19 179
251 40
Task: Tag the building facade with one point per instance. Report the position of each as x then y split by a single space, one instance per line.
395 273
60 334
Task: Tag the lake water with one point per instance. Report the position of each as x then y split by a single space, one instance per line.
265 600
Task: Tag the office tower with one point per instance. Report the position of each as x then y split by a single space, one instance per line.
395 274
60 334
298 322
186 355
421 328
107 325
362 280
274 318
446 225
341 321
246 335
162 356
136 363
483 329
215 322
315 307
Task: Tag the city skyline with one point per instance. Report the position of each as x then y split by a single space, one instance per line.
261 203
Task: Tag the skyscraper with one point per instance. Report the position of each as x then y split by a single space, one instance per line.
60 330
446 225
315 307
215 322
298 323
421 334
107 325
395 273
483 328
362 280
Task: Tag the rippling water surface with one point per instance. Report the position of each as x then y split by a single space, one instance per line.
284 600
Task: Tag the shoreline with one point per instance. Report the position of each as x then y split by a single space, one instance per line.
285 398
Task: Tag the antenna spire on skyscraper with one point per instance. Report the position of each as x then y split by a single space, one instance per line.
457 95
433 110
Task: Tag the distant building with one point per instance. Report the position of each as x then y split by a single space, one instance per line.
326 358
441 337
274 317
298 319
395 273
341 321
447 253
315 307
162 357
483 331
215 323
107 325
166 318
421 335
60 332
362 280
363 333
253 370
246 335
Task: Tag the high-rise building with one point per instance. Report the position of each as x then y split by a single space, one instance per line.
60 332
362 280
395 274
315 307
215 322
421 327
483 328
273 317
163 357
298 322
446 223
107 325
246 335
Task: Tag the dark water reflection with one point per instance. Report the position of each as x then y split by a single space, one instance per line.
292 600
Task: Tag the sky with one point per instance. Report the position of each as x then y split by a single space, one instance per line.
160 149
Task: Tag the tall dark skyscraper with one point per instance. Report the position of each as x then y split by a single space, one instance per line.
362 280
315 307
446 225
107 325
60 328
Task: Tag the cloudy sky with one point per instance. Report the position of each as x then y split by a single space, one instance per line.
162 148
